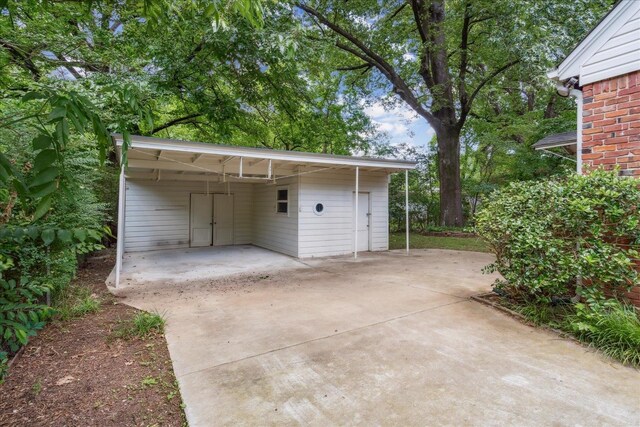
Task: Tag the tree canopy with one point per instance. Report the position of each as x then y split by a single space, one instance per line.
441 57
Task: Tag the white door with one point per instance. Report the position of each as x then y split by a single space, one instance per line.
201 220
364 216
222 219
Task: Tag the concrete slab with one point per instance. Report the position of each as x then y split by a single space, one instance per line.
388 339
184 265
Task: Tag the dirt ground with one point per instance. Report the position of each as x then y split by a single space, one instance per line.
74 373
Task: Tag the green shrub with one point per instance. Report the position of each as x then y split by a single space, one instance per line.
612 327
43 229
546 234
20 313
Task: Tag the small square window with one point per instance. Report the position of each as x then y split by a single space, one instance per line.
282 200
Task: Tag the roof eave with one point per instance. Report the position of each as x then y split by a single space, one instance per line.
572 64
203 148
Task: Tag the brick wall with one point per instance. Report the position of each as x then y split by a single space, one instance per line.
611 130
634 296
611 124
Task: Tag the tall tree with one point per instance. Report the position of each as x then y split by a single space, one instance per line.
436 56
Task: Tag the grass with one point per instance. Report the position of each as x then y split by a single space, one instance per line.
553 316
614 331
36 388
149 381
418 241
142 325
76 302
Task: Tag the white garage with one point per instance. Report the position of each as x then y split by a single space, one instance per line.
179 194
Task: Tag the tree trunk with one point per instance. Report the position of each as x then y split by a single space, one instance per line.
449 174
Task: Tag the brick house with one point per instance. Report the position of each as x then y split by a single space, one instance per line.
603 74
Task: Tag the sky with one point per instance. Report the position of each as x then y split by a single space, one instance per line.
401 124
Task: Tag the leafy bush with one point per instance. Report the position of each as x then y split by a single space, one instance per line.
20 314
44 227
24 283
547 234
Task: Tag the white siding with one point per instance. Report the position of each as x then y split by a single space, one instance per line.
620 53
272 230
157 213
332 232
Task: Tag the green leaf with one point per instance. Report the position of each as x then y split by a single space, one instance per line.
75 120
33 232
57 114
29 95
5 163
21 335
62 132
21 187
149 117
48 236
45 176
44 159
43 207
80 234
41 142
44 189
65 235
4 175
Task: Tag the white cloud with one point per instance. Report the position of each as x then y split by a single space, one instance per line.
409 56
400 123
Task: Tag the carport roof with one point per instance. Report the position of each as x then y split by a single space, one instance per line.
148 155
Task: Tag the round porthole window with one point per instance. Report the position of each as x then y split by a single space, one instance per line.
318 209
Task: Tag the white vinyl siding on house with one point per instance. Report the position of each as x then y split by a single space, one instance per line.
273 230
157 212
331 233
619 55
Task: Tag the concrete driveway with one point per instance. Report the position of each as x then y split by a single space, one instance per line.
384 340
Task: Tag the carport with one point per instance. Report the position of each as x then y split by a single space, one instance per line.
181 194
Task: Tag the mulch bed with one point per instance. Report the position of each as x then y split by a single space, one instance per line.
74 373
497 302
